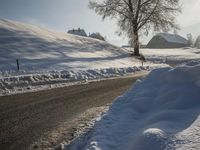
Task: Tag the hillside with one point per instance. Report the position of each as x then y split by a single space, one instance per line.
47 58
39 48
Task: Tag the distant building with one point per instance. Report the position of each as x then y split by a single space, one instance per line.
197 43
80 32
166 40
97 36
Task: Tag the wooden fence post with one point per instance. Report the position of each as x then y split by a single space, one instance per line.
17 60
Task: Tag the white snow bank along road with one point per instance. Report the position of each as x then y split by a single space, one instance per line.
52 79
159 113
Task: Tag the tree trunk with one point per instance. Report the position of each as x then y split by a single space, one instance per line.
136 44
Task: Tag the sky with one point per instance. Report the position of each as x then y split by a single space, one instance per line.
62 15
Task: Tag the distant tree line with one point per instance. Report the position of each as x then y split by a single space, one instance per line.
81 32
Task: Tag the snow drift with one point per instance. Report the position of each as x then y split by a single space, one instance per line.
52 79
161 112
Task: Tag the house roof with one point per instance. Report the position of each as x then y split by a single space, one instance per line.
173 38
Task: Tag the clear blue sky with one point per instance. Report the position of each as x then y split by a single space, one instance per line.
62 15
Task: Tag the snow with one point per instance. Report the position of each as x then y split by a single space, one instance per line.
172 56
38 48
47 58
160 112
13 84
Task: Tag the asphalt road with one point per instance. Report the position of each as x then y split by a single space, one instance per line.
26 117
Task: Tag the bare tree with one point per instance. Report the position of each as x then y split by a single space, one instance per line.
139 16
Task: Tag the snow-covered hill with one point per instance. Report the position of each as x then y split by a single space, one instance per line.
38 48
47 57
161 112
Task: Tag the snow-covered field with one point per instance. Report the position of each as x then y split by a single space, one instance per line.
47 58
40 49
172 56
160 112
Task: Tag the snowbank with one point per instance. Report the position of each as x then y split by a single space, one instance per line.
41 80
159 113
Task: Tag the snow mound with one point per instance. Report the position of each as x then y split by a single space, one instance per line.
161 112
52 79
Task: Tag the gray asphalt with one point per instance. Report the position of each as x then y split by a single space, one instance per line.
26 117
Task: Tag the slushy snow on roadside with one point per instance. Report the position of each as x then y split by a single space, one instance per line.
160 112
46 80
